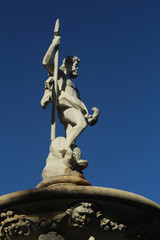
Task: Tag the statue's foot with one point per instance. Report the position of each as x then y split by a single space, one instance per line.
82 164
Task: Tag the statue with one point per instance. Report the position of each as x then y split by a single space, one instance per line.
72 112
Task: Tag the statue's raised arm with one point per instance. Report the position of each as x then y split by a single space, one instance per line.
48 62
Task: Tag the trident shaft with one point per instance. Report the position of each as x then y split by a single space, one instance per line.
54 90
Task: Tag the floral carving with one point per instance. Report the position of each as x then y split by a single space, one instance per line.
84 213
50 236
109 225
79 216
13 224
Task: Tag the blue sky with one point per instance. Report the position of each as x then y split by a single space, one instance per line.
118 43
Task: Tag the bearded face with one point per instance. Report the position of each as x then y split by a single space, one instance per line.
70 66
72 69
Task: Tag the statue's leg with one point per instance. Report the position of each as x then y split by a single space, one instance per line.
68 129
76 121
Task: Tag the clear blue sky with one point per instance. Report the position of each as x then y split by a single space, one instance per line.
118 43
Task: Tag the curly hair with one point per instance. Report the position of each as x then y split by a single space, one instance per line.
69 60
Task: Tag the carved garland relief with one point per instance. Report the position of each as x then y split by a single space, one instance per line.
78 216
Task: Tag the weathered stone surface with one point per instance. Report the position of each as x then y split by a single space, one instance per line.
63 168
78 212
64 179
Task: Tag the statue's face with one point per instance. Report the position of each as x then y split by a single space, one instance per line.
74 69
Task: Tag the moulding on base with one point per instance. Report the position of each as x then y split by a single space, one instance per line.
68 212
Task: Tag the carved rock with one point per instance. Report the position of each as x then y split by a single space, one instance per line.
63 167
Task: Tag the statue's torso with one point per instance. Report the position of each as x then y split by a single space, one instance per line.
66 85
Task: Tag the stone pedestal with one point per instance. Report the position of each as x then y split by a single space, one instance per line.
68 212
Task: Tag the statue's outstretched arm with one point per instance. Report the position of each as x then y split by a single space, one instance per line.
48 58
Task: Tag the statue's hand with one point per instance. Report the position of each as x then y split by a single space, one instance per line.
87 115
56 41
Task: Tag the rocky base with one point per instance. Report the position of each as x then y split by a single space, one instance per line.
64 179
62 164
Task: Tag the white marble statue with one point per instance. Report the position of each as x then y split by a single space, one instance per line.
63 94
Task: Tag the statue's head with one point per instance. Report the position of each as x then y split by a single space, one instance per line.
70 65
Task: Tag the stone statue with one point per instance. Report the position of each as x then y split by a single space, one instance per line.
72 112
